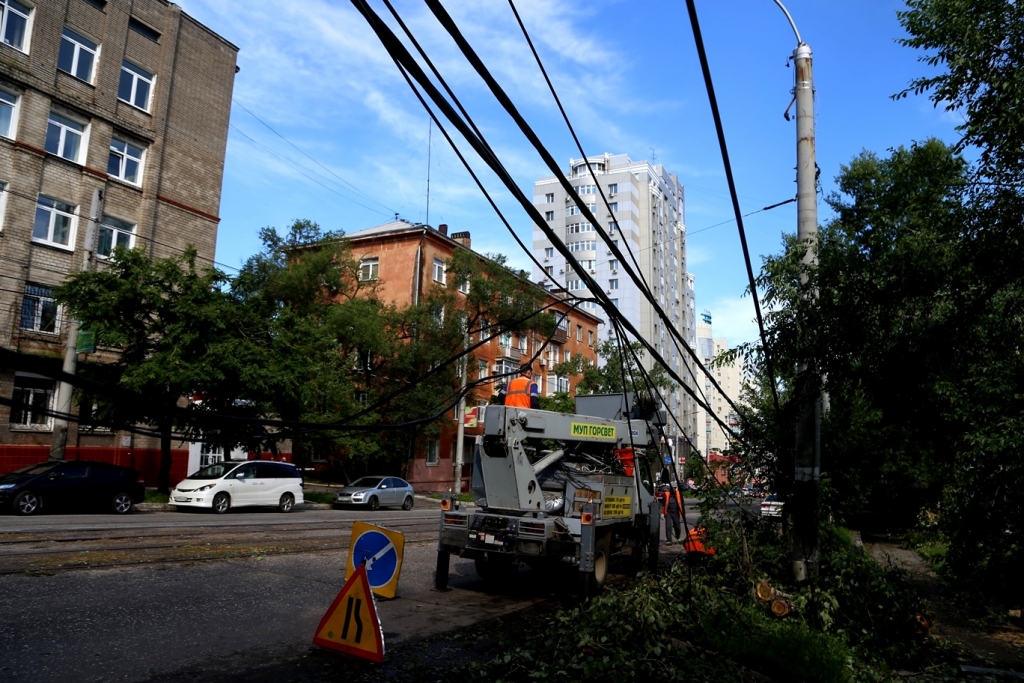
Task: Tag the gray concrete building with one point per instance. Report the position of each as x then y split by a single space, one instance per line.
712 437
130 97
647 218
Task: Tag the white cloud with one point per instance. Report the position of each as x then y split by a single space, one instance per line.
733 319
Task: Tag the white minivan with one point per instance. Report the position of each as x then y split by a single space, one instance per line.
225 485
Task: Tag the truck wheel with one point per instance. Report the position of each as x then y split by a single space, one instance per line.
593 582
494 570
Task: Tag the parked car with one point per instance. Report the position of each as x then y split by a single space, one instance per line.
771 506
225 485
71 485
376 492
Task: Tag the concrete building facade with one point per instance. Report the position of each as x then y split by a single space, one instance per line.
409 259
712 438
128 97
647 219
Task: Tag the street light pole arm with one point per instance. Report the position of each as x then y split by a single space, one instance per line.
799 40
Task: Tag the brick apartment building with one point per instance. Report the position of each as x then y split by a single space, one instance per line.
408 259
129 97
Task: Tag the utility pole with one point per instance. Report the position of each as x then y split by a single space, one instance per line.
807 456
461 432
62 406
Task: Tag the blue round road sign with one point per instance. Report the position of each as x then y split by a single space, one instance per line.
382 559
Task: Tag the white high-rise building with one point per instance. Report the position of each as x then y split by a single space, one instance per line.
646 219
712 436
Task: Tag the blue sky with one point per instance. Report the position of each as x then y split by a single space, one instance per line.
348 147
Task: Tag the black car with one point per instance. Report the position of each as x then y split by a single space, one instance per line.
71 484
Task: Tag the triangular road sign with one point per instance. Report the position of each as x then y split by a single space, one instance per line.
351 624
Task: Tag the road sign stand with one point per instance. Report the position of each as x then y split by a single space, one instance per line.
351 624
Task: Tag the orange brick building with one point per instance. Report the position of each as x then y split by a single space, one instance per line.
408 259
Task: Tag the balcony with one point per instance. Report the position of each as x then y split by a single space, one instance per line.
561 336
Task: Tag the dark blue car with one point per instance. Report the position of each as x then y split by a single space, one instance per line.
71 485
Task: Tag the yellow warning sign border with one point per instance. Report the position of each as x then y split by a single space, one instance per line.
360 579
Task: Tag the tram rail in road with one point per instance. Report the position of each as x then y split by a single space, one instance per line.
72 542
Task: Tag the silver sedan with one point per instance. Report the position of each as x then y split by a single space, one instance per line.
376 492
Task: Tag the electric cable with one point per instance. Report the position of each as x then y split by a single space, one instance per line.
449 25
720 130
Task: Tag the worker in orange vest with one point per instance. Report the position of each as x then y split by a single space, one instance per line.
522 391
670 509
694 544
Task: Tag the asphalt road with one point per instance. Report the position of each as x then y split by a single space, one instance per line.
190 612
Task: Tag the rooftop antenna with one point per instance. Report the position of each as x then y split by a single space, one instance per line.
430 129
654 156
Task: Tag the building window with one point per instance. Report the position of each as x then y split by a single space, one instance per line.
613 265
481 369
464 286
563 322
590 337
32 400
14 23
98 4
505 340
114 232
615 303
613 283
125 161
143 30
613 227
439 270
549 198
485 330
563 385
77 55
613 188
135 86
8 109
549 252
550 270
3 204
549 215
64 137
433 452
579 333
55 223
368 269
39 311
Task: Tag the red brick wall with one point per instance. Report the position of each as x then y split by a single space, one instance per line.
144 460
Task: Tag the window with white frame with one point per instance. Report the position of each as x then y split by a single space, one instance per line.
8 110
563 385
579 333
439 270
136 85
613 265
481 369
550 270
14 23
563 322
590 337
549 198
55 223
485 330
613 283
433 452
125 161
613 206
464 285
613 188
615 303
566 355
549 252
505 340
39 311
64 137
549 215
368 268
114 232
77 55
32 400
